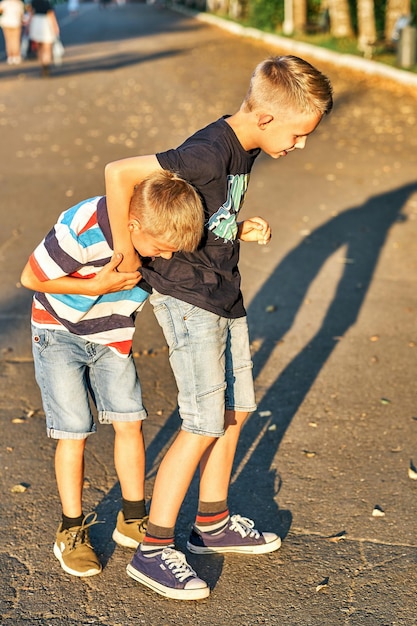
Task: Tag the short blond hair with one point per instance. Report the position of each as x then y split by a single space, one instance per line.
288 82
170 209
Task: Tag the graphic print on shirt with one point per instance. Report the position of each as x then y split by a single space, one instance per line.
223 223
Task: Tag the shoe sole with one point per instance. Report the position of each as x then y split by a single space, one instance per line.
123 540
73 572
174 594
262 548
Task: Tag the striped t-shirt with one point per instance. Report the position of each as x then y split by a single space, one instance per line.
79 245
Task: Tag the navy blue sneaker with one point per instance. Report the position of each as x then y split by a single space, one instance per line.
239 535
168 573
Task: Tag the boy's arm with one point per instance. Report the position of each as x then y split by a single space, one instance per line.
121 178
107 280
254 229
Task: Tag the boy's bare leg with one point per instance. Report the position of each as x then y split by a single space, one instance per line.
175 475
214 530
129 459
69 472
72 549
217 461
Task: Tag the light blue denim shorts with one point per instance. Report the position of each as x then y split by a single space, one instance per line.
69 370
211 361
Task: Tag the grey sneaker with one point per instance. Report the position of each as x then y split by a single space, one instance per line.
131 533
168 573
73 550
239 535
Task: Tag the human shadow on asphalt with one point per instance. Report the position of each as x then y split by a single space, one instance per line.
93 64
361 231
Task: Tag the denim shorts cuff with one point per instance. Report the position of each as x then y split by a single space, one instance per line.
242 409
107 417
62 434
197 431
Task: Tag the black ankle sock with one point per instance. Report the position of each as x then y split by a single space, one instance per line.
133 510
70 522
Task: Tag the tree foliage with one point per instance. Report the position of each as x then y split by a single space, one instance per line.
269 14
266 14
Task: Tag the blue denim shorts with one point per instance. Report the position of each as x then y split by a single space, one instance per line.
69 370
211 361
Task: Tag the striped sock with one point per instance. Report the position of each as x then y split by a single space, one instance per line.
157 538
212 516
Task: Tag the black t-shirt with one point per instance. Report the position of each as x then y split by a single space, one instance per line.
214 161
41 7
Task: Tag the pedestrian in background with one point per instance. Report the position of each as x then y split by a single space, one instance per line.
11 20
73 7
43 30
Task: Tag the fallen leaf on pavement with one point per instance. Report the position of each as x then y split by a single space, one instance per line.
338 537
378 511
412 471
324 583
20 488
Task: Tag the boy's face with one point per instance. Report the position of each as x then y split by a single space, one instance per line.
280 135
147 245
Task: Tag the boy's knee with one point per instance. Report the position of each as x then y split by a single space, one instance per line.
128 428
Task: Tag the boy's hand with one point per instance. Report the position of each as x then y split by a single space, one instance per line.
254 229
109 279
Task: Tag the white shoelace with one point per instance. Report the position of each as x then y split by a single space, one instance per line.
244 526
177 563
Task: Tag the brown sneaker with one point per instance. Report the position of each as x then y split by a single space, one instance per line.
131 533
73 550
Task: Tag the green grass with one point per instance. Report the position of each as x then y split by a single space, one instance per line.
381 53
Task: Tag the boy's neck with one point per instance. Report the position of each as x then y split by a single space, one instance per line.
243 125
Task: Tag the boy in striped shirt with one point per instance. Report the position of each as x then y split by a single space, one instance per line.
82 346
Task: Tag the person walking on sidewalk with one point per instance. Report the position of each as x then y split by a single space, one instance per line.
43 30
11 20
199 305
82 344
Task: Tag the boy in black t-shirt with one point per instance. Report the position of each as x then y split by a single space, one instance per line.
198 302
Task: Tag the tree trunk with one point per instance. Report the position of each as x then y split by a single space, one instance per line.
300 15
238 9
394 10
218 6
366 27
340 22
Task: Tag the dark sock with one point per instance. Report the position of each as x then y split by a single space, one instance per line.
157 537
212 515
70 522
133 510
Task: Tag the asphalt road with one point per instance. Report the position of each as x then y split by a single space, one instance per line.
332 308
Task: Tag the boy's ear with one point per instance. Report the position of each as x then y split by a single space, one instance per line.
264 119
133 224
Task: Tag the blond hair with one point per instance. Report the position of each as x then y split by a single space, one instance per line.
170 209
284 82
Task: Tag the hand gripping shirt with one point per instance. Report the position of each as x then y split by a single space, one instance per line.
79 245
214 161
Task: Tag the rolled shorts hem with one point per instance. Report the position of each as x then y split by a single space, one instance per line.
242 409
199 431
53 433
107 417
